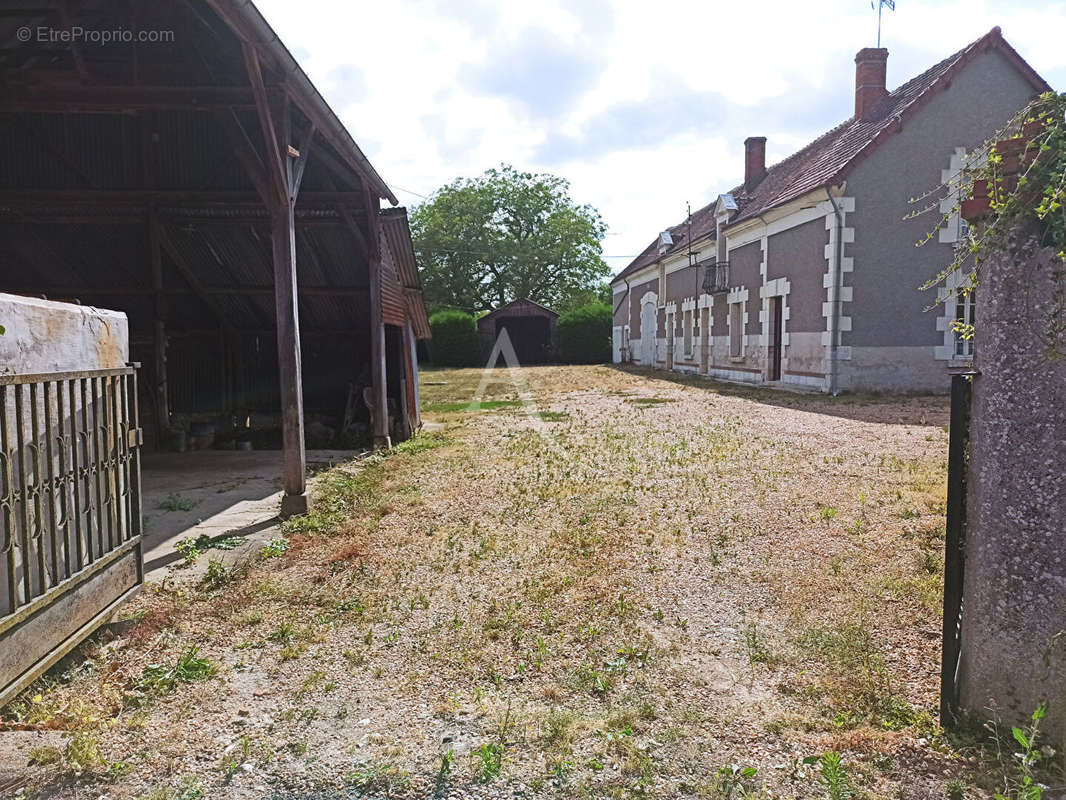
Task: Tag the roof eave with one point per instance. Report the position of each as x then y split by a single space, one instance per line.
249 24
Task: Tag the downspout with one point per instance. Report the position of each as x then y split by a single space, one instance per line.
838 280
625 298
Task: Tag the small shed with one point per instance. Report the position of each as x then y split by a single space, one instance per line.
530 327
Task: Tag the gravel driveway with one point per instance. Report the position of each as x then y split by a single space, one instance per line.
637 585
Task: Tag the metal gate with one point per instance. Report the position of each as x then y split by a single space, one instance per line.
955 545
70 513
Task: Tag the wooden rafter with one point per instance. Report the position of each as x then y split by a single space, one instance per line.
245 152
275 167
189 275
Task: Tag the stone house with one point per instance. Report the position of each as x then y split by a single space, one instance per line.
807 274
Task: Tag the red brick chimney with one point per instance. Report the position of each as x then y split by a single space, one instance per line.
754 161
870 68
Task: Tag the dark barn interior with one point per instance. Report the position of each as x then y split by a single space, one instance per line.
199 183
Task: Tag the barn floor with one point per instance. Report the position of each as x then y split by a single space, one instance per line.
214 493
644 586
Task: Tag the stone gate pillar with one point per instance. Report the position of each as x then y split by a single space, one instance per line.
1013 639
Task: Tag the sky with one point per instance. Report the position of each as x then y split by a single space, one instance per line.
643 105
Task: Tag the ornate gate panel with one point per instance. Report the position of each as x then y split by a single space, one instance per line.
70 513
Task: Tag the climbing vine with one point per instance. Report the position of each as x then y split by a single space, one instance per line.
1019 180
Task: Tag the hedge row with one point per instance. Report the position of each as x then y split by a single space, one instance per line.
582 336
456 341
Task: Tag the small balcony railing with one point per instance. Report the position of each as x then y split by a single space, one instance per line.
715 277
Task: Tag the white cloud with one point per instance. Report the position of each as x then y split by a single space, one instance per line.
437 89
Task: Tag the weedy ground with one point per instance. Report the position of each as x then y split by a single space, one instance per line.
640 586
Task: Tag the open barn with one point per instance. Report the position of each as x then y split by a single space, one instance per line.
187 173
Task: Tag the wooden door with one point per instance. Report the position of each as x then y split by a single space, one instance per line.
773 356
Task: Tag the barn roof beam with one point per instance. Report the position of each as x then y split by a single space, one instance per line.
98 99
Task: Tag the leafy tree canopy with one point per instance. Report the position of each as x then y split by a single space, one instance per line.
505 235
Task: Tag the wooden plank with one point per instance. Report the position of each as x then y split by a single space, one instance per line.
29 649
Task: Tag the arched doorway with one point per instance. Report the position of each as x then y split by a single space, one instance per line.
649 329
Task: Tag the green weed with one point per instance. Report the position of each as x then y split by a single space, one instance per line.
189 668
488 761
175 502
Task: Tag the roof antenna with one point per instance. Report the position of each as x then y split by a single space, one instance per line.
881 4
688 230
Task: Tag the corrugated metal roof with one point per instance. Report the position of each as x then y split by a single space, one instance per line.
397 231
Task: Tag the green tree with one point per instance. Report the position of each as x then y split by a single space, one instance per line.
504 235
601 293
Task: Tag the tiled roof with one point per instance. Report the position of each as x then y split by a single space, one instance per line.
702 223
825 160
521 301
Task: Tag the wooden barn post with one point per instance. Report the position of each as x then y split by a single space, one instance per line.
283 241
377 323
160 390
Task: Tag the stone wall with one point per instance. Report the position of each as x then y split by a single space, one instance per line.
46 336
1014 598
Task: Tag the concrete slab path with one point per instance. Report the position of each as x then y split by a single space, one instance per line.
214 492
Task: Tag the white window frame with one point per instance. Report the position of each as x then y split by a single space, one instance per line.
965 310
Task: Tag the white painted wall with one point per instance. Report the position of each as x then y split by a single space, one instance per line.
46 336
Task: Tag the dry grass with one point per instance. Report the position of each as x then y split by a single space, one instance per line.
681 577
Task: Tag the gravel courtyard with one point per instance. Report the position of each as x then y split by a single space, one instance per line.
638 586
